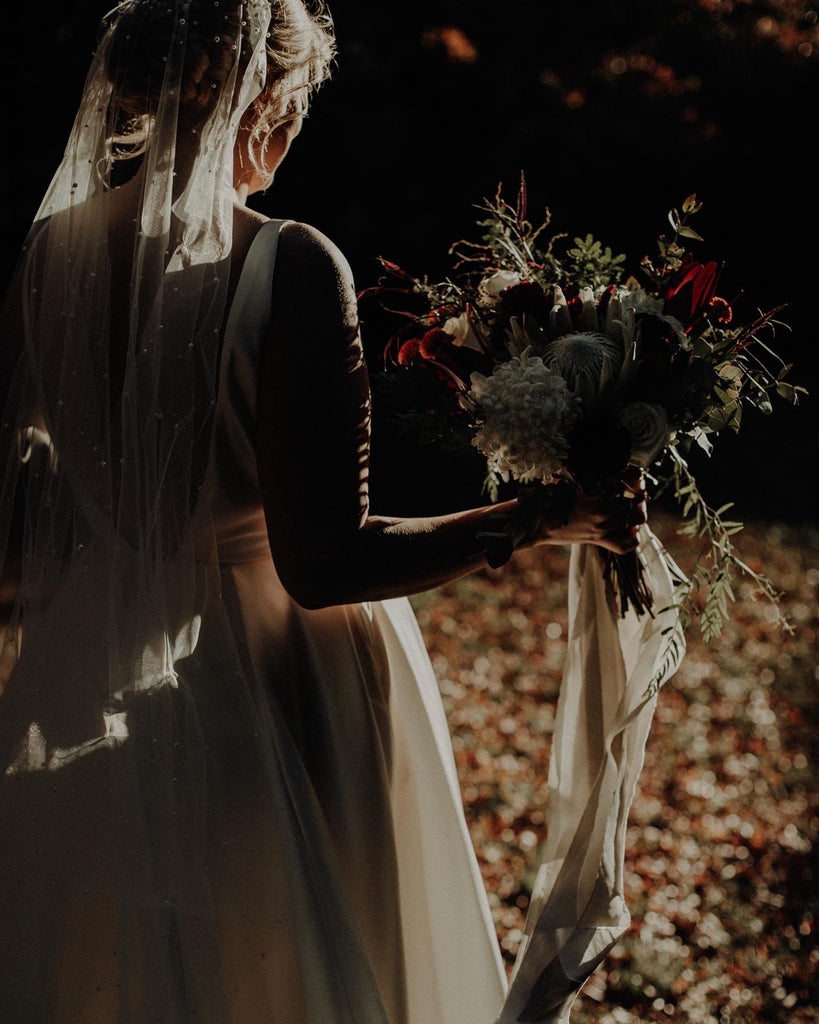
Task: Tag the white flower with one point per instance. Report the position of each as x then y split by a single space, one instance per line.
589 362
461 329
523 334
561 321
647 425
491 287
526 410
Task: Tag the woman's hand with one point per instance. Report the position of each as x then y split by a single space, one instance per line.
609 522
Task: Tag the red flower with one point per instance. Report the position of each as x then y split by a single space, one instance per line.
720 311
408 352
689 296
435 343
526 297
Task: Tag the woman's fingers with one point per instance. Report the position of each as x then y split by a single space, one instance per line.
620 541
621 526
608 521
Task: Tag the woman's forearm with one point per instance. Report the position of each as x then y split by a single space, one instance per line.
389 557
386 557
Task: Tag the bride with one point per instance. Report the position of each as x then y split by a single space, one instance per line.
227 794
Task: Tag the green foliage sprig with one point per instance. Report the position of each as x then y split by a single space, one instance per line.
713 574
591 265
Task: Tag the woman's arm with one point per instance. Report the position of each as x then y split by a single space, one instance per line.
313 455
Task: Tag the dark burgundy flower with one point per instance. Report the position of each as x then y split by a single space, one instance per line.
528 297
693 288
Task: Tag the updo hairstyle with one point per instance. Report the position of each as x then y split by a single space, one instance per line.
300 52
300 49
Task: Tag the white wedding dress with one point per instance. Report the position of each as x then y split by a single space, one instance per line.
262 824
292 849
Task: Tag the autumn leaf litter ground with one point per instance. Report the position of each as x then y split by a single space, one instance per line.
720 868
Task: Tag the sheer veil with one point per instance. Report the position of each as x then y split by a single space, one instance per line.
105 433
124 786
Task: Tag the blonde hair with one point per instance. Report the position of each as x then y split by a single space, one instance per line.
300 50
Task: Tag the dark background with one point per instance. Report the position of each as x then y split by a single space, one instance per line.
615 112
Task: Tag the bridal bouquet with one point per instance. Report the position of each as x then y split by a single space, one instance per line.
565 375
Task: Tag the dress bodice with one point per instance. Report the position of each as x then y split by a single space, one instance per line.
241 532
